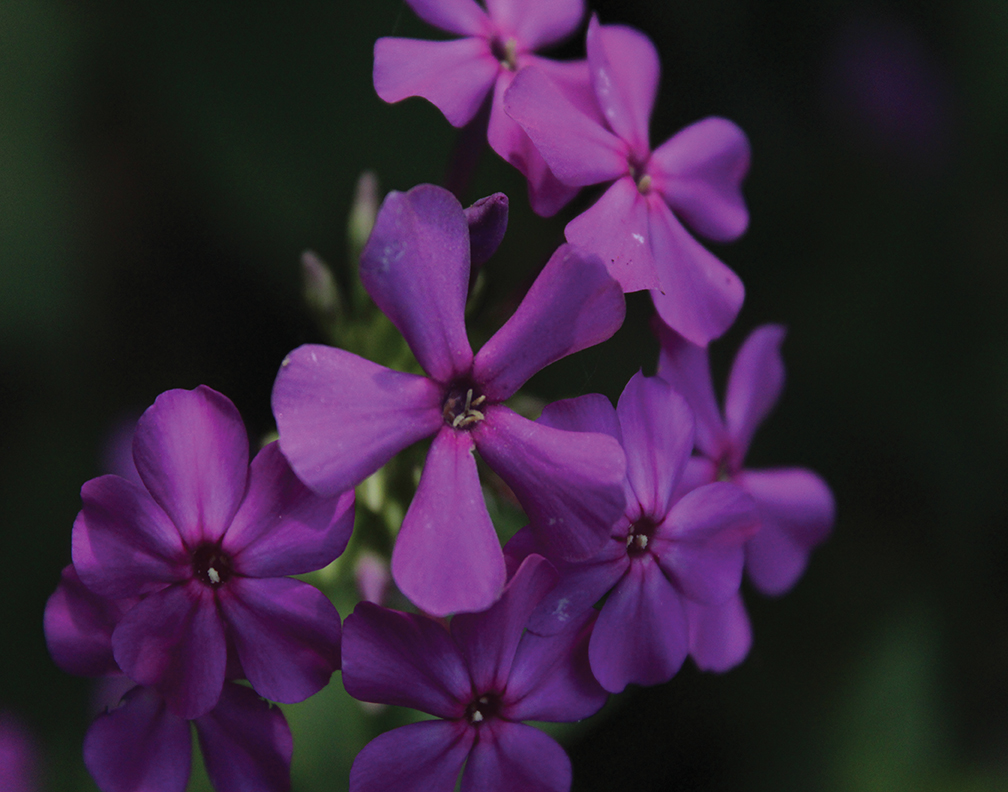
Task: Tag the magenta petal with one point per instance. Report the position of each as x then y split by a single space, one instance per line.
286 633
462 17
720 635
123 544
699 296
415 266
192 452
572 305
699 172
592 412
624 72
488 640
405 660
342 417
447 557
577 148
282 527
657 429
699 545
551 679
141 745
246 743
754 385
455 76
515 756
796 509
685 366
536 25
641 635
617 229
487 221
173 640
78 627
420 757
570 484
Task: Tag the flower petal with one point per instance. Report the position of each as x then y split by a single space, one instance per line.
403 659
592 412
796 511
173 640
515 756
463 17
342 417
455 76
447 557
282 527
551 679
641 635
570 484
419 757
699 173
536 25
415 266
487 220
577 148
616 228
123 544
685 366
140 745
488 640
699 296
572 305
754 385
699 545
624 72
286 633
192 452
720 635
246 743
657 428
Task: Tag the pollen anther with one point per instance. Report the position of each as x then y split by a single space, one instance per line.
212 574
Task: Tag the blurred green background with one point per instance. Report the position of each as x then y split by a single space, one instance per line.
163 165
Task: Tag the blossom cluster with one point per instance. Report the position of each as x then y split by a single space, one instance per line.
641 518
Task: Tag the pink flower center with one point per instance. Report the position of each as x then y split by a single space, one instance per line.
460 407
211 565
483 708
506 52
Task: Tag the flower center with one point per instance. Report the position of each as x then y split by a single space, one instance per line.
211 565
481 709
506 52
460 407
644 182
639 536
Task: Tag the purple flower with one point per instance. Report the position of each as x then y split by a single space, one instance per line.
481 678
666 555
141 743
635 226
341 417
795 507
458 75
206 545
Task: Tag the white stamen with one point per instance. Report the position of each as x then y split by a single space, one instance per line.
641 541
212 574
477 716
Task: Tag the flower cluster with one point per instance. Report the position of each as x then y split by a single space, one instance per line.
641 519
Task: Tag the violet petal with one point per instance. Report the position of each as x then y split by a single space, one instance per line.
287 634
447 557
515 756
463 17
720 635
419 757
537 25
592 412
403 659
754 385
487 220
342 417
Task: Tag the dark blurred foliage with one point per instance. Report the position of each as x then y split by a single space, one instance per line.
163 165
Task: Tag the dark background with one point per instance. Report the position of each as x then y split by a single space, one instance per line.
163 165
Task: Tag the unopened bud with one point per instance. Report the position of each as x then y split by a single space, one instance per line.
362 212
320 289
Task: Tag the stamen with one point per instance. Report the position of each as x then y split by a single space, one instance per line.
477 717
644 185
212 574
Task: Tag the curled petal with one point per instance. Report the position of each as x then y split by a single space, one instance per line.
572 305
462 17
699 296
286 633
403 659
569 483
515 756
415 266
342 417
754 385
534 24
246 743
420 757
192 452
699 172
140 745
455 76
282 527
487 221
720 635
173 640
